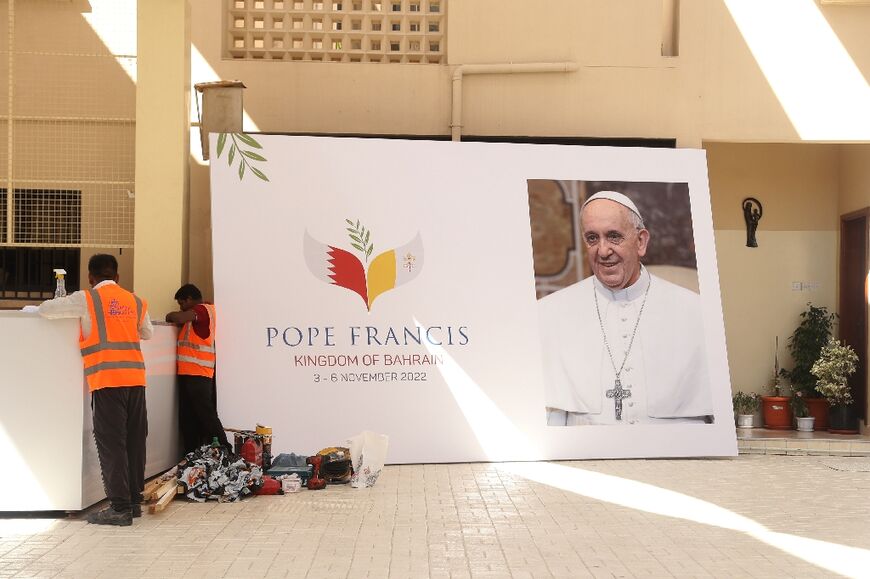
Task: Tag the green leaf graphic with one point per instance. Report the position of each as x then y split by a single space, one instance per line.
249 140
254 156
259 173
245 156
359 236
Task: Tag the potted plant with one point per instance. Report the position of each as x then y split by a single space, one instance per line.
805 345
801 412
835 364
745 407
775 408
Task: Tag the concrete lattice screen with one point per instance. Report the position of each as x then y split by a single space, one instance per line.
386 31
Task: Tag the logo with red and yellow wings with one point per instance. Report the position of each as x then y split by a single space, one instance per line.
369 279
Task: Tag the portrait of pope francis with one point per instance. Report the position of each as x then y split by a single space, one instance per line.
622 346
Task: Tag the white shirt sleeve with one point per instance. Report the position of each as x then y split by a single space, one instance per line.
74 305
146 329
71 306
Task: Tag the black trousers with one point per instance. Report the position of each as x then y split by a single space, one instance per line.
120 429
197 412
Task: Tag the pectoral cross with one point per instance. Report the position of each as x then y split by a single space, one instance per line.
618 393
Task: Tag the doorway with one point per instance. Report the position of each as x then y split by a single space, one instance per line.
854 239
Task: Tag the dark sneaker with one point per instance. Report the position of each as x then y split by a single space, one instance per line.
137 511
110 516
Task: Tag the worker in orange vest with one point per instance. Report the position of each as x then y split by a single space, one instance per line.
196 356
112 321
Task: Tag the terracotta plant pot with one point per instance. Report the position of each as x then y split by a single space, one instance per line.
818 409
777 412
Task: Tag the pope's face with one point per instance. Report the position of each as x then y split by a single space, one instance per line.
613 245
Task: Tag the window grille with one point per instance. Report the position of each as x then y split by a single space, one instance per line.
46 217
67 126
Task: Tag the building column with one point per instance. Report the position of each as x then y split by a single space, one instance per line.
162 150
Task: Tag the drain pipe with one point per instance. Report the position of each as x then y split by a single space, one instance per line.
463 69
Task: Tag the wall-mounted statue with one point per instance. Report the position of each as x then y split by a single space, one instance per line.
752 215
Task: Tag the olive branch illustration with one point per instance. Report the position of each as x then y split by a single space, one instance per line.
359 236
245 154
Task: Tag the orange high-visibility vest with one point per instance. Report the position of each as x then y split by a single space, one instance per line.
196 357
111 353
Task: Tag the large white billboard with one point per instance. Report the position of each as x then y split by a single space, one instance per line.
390 285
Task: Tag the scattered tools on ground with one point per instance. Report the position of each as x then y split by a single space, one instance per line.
213 472
315 483
266 433
336 465
255 446
286 465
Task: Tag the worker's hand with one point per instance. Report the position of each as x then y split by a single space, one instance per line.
181 317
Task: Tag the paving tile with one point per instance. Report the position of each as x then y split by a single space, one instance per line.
479 520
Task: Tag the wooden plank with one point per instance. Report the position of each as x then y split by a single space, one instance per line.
166 487
166 498
150 490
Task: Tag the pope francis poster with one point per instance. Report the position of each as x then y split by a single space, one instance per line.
620 315
415 282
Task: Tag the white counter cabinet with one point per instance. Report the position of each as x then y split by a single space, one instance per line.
48 460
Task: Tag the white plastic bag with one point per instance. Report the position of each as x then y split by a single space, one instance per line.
368 451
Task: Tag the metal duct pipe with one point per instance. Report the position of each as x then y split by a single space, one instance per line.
463 69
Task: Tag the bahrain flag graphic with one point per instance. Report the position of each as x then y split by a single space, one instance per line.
387 271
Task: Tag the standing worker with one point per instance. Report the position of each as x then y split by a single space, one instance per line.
112 322
197 394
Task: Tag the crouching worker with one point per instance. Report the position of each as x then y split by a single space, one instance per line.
112 321
196 354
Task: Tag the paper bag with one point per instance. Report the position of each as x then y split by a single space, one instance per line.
368 451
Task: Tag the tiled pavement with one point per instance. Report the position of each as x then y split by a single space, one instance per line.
752 516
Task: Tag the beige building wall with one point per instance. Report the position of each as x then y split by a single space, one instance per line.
163 148
199 231
797 241
854 178
716 90
721 89
72 99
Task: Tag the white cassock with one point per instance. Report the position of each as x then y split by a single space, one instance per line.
666 369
